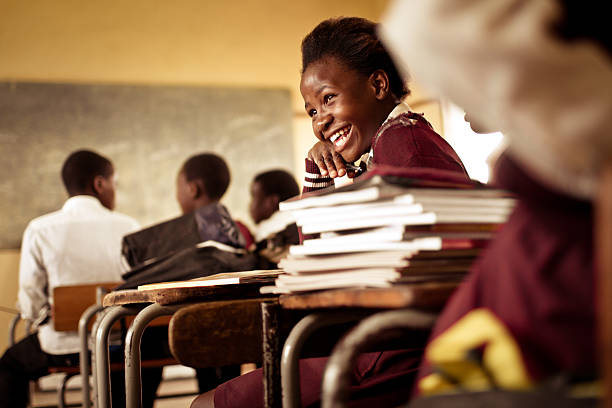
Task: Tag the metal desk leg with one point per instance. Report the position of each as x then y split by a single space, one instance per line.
87 315
133 387
290 369
271 355
112 314
336 380
92 338
61 390
12 329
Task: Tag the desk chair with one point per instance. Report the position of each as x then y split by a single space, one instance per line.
69 304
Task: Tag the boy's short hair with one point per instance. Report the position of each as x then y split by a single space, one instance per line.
211 170
80 169
354 42
278 182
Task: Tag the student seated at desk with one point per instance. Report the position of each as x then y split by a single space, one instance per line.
353 93
78 244
201 182
275 231
200 185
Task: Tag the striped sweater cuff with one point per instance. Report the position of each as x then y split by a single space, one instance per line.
314 180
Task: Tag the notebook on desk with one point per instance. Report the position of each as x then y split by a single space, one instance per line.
227 278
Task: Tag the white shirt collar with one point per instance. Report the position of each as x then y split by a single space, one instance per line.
400 108
82 202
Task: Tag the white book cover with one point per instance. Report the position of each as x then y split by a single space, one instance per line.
374 278
390 259
426 218
419 244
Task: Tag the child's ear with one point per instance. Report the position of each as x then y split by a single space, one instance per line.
98 184
379 81
195 191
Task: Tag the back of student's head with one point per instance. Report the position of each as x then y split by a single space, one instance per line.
209 169
81 168
279 183
354 42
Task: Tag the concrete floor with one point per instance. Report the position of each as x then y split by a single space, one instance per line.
177 379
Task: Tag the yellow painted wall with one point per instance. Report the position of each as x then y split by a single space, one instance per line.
233 42
230 43
9 266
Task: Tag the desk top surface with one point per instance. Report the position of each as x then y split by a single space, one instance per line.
431 295
170 296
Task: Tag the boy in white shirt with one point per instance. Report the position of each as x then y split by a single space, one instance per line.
78 244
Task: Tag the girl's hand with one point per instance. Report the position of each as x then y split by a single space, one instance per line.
328 161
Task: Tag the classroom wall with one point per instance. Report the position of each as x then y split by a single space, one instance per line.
234 43
9 264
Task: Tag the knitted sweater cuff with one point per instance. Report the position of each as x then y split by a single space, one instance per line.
314 180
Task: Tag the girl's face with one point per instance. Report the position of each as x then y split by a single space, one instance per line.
343 105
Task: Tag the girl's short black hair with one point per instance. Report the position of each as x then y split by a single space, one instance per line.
211 170
353 41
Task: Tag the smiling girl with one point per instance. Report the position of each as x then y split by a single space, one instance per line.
353 92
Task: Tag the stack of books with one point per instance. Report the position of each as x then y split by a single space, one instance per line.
381 231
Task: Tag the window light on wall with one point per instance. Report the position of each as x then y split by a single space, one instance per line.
474 149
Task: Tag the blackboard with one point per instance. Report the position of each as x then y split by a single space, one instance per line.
147 131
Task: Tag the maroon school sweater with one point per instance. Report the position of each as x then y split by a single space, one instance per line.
535 283
406 140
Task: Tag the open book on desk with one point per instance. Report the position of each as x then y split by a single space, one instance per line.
226 278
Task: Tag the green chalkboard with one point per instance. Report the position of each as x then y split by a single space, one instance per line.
147 131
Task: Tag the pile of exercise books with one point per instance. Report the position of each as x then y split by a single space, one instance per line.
384 230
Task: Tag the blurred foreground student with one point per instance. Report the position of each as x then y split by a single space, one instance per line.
353 92
526 314
276 231
78 244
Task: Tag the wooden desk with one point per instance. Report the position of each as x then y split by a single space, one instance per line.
147 306
343 305
431 295
182 295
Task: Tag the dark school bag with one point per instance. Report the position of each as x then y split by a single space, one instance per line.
206 258
201 243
